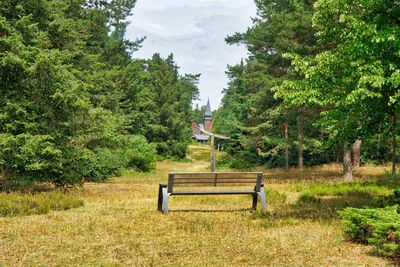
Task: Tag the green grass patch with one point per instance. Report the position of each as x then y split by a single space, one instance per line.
308 199
17 204
271 222
202 153
345 189
274 196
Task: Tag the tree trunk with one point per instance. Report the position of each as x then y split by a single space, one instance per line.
338 154
387 144
394 144
300 137
357 153
347 166
212 157
286 133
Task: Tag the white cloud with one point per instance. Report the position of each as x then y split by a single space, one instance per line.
194 31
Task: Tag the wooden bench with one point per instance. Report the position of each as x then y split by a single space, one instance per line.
184 184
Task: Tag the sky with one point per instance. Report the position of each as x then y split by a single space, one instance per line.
194 31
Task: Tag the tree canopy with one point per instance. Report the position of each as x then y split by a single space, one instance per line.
74 102
320 75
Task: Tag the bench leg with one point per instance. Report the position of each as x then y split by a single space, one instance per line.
263 199
165 197
255 198
160 197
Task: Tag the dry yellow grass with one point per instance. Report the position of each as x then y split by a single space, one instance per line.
119 226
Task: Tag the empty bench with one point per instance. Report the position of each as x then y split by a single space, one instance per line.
184 184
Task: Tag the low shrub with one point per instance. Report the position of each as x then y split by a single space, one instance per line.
386 237
16 204
378 227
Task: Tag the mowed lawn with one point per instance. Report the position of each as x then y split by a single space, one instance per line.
119 226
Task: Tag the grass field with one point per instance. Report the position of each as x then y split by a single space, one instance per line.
119 226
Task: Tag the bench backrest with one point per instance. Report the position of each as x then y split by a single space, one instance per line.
214 179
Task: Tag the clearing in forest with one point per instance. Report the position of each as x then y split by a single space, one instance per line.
119 225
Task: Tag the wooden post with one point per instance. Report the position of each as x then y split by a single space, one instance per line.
212 158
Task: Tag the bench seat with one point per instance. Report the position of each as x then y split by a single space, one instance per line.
251 183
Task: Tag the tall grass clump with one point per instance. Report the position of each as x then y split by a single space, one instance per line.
274 196
17 204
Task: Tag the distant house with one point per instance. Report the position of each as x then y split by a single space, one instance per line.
197 135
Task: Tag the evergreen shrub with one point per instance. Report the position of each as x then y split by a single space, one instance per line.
27 158
244 160
378 227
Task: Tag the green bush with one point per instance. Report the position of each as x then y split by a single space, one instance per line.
16 204
27 158
101 163
139 154
133 152
378 227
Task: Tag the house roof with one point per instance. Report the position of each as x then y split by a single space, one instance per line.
201 137
208 110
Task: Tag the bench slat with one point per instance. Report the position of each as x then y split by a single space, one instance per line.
211 179
230 192
215 181
212 183
213 174
219 173
218 182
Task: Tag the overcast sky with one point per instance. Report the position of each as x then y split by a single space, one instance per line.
194 31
